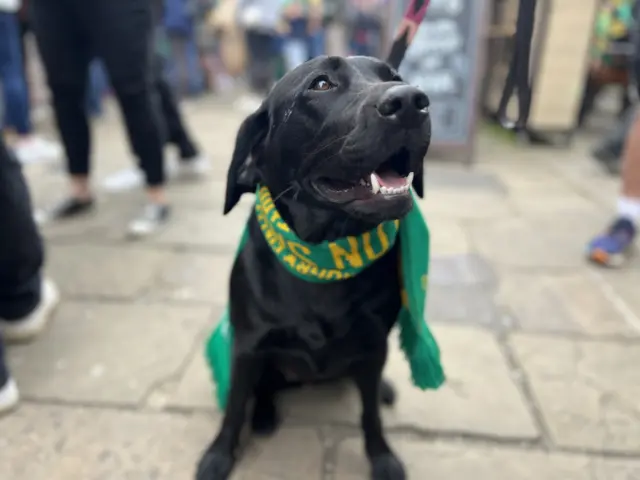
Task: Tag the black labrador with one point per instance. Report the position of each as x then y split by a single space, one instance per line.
337 142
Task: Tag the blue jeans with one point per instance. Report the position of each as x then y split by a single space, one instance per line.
97 86
16 94
185 61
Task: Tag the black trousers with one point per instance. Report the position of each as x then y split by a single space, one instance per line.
71 32
176 131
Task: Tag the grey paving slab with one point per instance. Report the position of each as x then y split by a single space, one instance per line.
93 444
107 353
587 391
549 241
189 277
463 462
570 303
121 271
204 228
448 237
465 205
480 397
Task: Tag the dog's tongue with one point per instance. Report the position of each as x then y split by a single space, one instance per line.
390 179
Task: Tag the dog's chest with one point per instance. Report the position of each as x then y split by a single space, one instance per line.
329 327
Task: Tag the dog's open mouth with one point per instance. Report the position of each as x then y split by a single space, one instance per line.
390 179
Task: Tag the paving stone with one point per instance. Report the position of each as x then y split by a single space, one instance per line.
103 271
195 388
192 277
479 398
439 176
546 203
61 443
588 391
192 227
458 270
465 304
562 303
113 353
448 237
463 205
550 242
439 461
622 286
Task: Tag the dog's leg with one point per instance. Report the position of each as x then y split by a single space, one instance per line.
218 460
265 419
384 464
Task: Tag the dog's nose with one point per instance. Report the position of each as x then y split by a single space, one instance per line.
404 104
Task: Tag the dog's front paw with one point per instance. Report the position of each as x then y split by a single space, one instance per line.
387 467
265 420
215 465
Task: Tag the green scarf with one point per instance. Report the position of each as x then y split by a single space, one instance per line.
339 260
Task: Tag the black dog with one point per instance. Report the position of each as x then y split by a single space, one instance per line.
337 142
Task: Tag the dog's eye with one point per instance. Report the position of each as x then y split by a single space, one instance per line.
321 84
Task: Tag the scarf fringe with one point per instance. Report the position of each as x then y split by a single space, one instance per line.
422 352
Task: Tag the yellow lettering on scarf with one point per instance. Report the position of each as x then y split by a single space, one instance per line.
300 251
290 259
384 243
303 268
339 254
333 275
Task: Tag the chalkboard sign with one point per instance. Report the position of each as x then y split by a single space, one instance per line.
443 60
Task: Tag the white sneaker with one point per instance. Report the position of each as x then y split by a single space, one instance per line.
30 326
9 396
153 217
34 149
192 168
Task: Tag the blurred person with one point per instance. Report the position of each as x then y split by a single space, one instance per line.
179 24
17 115
192 161
27 299
612 248
69 34
608 151
608 65
365 20
303 31
260 20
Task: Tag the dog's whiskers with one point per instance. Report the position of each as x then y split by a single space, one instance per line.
288 189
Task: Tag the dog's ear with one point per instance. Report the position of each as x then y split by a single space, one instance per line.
242 176
418 180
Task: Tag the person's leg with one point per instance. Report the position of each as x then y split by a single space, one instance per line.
123 34
609 150
192 162
194 67
26 301
612 247
65 56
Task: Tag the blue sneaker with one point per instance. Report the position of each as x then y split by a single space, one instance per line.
612 248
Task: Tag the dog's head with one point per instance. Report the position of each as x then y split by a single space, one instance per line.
337 138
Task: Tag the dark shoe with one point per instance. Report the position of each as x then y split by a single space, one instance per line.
152 218
67 208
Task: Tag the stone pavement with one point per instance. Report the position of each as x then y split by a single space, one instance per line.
542 351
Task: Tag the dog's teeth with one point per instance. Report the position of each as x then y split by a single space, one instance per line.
385 190
375 185
410 179
362 182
